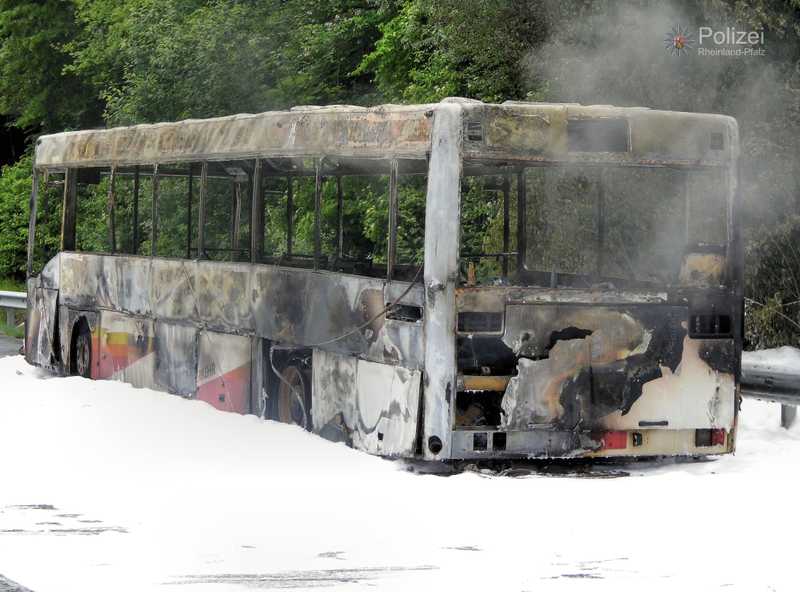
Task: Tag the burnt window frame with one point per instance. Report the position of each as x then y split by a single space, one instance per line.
330 169
522 274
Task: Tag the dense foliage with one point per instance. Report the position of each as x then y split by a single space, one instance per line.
67 64
15 189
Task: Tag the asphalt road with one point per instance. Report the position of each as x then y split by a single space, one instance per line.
9 346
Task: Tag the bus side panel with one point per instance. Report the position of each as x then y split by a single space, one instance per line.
304 307
127 283
333 398
33 322
387 401
290 306
373 406
176 357
223 371
82 282
41 321
127 351
220 295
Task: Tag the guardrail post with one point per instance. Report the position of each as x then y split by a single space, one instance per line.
10 317
788 415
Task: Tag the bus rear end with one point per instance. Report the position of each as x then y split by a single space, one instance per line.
598 310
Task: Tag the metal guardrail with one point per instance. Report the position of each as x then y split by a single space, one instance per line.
764 380
11 301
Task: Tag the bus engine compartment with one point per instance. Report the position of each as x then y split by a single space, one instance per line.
546 373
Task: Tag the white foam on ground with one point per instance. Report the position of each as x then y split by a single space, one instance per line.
149 489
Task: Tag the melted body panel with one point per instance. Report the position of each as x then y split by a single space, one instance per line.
293 306
370 405
594 363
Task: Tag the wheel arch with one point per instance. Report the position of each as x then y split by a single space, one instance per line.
77 319
278 358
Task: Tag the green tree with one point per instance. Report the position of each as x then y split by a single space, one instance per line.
35 89
431 50
15 191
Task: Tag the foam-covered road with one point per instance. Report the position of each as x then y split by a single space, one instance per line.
106 487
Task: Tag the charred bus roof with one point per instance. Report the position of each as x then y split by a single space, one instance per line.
512 131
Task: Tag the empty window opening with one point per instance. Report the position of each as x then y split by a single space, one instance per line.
478 408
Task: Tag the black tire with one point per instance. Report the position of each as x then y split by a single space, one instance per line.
292 401
81 352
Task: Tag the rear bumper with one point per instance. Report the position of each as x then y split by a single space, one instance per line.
546 443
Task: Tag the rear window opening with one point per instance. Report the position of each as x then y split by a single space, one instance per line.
587 226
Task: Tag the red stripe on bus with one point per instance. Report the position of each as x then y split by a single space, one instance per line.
115 357
228 392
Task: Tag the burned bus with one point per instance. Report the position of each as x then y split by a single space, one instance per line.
456 280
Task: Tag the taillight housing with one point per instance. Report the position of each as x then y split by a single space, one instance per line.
613 440
709 437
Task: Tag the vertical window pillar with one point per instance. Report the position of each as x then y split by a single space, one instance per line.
32 220
687 210
69 210
189 199
339 219
201 211
506 222
257 216
135 223
289 217
112 229
391 256
317 212
601 224
521 216
442 213
154 213
236 216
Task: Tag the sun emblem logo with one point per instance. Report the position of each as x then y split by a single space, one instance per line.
678 41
